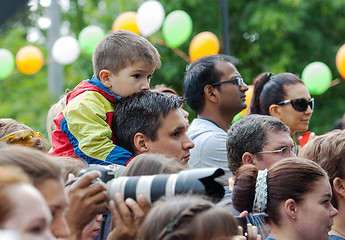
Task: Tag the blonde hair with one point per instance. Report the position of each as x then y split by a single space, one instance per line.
54 110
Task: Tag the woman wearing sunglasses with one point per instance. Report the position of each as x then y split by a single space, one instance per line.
285 97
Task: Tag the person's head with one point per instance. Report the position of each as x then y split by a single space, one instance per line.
151 122
272 95
69 165
125 62
46 177
339 123
187 218
13 132
163 88
152 163
204 81
328 151
249 138
54 110
22 207
298 196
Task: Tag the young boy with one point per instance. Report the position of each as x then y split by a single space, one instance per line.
123 64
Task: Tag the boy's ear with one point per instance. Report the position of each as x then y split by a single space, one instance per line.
140 143
104 76
339 186
274 110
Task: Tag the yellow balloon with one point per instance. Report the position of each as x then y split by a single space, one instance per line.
340 61
29 60
126 21
249 95
203 44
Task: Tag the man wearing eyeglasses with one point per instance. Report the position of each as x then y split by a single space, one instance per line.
260 140
215 90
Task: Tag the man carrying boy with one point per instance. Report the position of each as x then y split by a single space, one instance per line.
123 64
151 122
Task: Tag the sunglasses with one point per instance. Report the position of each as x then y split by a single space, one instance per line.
23 137
238 80
299 104
285 151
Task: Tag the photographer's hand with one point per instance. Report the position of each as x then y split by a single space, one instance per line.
86 200
127 216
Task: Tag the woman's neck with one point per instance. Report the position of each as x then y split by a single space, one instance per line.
338 227
283 232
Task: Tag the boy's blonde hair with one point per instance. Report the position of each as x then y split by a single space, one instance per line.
116 50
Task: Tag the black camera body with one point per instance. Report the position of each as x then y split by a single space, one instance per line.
190 181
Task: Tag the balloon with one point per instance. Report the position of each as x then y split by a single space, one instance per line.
29 60
237 117
340 61
89 37
65 50
150 17
126 21
203 44
317 77
6 63
249 95
177 28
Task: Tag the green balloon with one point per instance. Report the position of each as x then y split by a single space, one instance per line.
177 28
6 63
89 37
237 117
317 77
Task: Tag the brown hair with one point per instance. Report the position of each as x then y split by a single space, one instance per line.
36 164
54 110
10 126
187 218
290 178
118 49
152 163
328 151
69 165
9 175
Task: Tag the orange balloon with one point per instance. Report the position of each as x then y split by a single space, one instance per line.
126 21
249 95
203 44
340 61
29 60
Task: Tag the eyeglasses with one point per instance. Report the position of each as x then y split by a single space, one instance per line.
23 137
299 104
238 80
284 151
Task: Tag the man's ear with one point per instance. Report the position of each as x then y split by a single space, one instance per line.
104 76
140 143
210 93
248 158
274 110
339 186
290 208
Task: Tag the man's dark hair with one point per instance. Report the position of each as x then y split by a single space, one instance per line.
141 112
200 73
249 134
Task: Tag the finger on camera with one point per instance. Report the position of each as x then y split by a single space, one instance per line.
138 212
86 179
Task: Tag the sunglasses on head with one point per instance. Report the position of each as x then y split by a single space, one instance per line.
22 137
299 104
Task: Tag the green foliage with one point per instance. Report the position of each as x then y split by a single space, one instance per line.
276 36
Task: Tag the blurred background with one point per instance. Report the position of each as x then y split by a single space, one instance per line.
275 36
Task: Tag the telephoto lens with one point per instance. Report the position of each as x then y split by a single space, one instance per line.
192 181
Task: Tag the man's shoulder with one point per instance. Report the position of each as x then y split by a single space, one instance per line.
202 128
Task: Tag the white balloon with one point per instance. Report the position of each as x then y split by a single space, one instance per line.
150 17
65 50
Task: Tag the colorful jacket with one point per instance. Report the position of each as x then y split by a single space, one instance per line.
83 128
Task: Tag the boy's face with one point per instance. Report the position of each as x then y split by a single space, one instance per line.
133 78
172 140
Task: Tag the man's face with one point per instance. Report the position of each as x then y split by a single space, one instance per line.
275 141
233 97
172 140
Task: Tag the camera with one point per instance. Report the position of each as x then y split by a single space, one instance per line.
190 181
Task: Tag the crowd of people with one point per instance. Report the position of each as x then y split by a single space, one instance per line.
114 127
